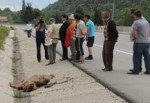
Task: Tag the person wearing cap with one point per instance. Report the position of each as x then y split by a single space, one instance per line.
53 34
70 37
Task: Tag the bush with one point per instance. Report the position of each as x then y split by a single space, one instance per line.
4 31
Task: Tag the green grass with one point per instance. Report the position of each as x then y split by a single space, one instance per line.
20 94
14 59
15 39
4 32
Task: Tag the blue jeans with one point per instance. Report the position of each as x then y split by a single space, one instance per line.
79 47
139 50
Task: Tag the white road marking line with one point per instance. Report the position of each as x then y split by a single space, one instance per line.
120 51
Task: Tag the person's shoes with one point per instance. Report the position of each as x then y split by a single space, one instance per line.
39 60
106 69
148 73
46 58
70 59
132 70
63 59
134 73
49 64
79 61
90 57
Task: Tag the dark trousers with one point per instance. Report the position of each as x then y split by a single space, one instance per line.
38 45
79 47
108 48
139 50
140 60
29 33
64 49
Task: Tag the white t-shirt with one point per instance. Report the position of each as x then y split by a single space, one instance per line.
80 27
29 26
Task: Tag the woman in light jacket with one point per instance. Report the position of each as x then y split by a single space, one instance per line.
53 35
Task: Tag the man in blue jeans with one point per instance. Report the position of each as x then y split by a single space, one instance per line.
140 35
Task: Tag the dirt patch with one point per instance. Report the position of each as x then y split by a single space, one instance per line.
18 73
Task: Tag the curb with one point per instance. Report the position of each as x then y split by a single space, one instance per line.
106 85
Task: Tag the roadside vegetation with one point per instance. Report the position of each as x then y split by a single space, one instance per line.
4 31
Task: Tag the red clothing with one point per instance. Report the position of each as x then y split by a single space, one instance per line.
69 33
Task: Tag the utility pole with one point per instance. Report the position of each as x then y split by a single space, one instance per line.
113 10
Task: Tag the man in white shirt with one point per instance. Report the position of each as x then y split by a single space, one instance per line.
29 29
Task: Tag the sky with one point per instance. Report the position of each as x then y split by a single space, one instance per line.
16 5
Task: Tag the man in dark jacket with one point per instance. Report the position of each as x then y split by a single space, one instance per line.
111 36
62 34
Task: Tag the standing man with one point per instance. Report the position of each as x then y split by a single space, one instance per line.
80 34
90 35
40 38
53 33
132 16
111 36
140 36
62 35
29 29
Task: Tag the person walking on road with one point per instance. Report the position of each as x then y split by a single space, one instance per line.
53 34
111 36
90 35
29 29
140 36
40 38
70 37
62 35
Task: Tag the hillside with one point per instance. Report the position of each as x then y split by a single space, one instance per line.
122 8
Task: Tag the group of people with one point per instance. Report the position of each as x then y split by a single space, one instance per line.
72 33
75 30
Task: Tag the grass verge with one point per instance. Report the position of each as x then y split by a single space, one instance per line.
4 32
20 94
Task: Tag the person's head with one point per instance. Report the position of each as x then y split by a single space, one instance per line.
71 18
52 20
132 12
41 21
29 22
137 14
86 18
77 17
64 17
105 15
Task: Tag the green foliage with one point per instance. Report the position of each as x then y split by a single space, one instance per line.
97 17
20 94
124 18
14 59
3 34
122 9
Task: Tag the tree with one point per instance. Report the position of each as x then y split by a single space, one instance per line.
80 11
23 5
27 12
97 17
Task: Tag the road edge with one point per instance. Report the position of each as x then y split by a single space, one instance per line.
102 82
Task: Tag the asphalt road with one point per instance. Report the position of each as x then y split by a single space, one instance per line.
134 88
